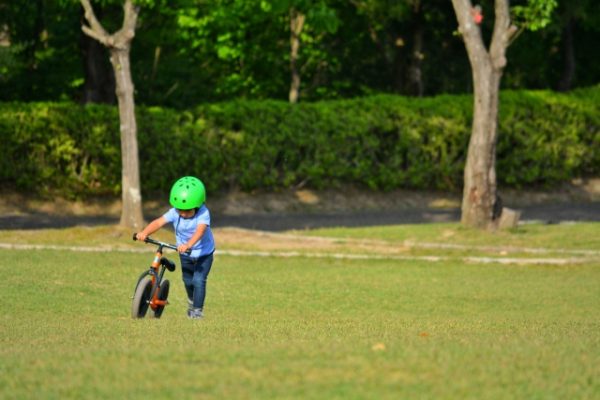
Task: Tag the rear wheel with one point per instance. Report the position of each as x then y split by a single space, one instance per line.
163 293
141 298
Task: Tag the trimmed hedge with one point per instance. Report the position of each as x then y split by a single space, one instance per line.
381 142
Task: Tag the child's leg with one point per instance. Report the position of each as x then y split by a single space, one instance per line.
195 273
201 271
187 273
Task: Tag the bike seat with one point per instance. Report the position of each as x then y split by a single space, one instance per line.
168 264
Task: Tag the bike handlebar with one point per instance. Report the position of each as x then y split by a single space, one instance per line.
161 244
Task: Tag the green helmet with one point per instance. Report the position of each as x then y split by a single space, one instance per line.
187 193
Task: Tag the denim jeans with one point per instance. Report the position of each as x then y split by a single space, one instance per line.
195 273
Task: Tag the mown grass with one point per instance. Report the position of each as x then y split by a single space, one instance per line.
300 328
571 236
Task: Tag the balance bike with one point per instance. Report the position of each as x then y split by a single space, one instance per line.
151 290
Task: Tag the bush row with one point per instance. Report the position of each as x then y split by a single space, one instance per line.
381 142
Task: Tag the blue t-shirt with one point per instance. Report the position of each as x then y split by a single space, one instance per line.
186 227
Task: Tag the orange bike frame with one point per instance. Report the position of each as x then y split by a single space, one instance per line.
156 302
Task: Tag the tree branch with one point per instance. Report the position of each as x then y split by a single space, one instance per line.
131 12
514 33
121 39
91 33
95 26
503 31
469 30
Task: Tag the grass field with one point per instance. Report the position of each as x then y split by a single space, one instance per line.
308 328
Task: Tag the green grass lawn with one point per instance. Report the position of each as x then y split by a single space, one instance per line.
304 328
572 236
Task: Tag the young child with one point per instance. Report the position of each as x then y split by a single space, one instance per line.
191 221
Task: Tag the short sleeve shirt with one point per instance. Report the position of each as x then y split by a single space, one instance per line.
186 227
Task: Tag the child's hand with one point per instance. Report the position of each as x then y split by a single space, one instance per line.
141 236
182 248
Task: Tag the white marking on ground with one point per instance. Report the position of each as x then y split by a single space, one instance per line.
288 254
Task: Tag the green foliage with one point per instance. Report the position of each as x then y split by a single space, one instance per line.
380 142
547 137
187 51
59 146
535 15
9 61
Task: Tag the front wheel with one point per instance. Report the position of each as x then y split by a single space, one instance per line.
163 293
141 298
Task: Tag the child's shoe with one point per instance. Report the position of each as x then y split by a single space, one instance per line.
195 313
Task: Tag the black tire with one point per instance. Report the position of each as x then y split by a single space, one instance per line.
163 294
141 298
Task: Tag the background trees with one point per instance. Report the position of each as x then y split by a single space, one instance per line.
192 51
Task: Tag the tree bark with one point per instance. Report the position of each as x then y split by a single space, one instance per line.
568 73
119 45
415 73
479 192
398 61
296 26
131 213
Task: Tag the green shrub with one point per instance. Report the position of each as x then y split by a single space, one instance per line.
380 142
547 138
56 146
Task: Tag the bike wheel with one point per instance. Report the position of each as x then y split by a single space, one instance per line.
141 298
163 293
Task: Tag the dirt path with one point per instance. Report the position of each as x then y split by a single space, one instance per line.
304 209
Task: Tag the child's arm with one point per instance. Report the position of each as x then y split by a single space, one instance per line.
182 248
151 228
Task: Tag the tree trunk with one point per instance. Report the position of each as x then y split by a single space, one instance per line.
119 45
398 63
37 44
131 213
415 73
99 86
479 192
568 73
296 25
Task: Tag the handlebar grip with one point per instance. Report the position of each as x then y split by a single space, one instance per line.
167 245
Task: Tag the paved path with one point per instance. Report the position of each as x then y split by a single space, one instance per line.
547 213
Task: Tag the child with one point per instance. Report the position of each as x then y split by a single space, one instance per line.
191 221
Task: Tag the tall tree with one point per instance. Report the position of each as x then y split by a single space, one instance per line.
297 19
572 14
386 22
119 46
414 85
479 204
302 13
398 29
